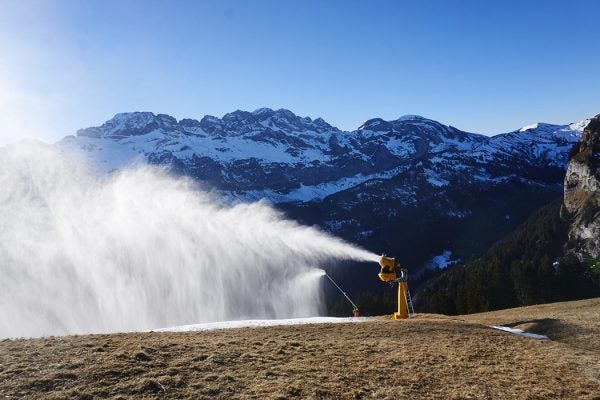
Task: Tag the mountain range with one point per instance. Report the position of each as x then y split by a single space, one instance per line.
429 193
283 157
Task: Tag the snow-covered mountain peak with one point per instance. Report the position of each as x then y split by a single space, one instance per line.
128 124
166 119
380 125
190 123
131 117
263 110
237 123
413 126
529 127
375 125
237 115
411 117
541 127
265 119
579 126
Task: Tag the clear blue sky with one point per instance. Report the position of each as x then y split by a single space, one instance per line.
482 66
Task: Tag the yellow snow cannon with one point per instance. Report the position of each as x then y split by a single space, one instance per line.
388 274
388 266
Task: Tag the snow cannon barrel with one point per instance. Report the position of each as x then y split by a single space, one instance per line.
388 266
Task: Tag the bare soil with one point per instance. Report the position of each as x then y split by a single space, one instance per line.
426 357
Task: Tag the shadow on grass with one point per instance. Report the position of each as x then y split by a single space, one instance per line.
559 331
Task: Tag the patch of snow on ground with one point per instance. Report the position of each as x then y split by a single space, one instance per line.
434 179
585 232
364 234
401 148
519 332
322 190
260 323
104 155
441 261
458 213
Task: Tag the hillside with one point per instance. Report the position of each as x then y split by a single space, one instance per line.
528 266
430 356
547 258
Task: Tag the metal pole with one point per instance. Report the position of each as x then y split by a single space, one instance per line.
344 293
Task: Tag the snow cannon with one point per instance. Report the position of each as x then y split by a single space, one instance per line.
388 267
388 274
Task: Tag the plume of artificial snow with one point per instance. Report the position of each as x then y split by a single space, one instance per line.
139 250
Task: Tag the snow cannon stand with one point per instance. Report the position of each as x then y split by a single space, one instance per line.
355 311
388 274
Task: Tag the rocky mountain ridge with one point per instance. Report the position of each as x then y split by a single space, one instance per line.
283 157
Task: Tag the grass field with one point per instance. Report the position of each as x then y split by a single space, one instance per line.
429 356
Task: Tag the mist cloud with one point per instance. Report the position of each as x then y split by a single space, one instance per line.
139 250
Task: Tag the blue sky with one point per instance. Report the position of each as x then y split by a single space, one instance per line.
482 66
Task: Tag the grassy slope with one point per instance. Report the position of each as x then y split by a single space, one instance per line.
430 356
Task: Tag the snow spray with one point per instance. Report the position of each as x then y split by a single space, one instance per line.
139 249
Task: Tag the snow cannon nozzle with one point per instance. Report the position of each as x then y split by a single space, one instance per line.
388 267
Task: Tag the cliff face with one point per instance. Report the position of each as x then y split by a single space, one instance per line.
582 193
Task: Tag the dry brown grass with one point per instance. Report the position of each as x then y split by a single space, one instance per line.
575 323
426 357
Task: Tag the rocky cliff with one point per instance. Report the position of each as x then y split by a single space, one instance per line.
582 193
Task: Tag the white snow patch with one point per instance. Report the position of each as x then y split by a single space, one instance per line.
579 126
320 191
434 179
260 323
528 127
585 232
437 182
400 147
442 260
458 213
519 332
364 234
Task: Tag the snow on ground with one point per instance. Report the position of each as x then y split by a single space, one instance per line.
260 323
519 332
434 179
320 191
104 155
442 260
458 213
